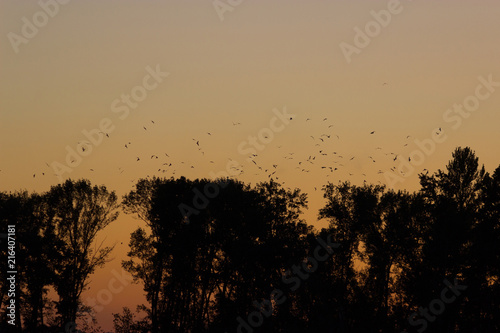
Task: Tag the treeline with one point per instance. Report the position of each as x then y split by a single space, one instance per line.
224 256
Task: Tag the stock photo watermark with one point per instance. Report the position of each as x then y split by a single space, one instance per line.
437 306
223 6
248 147
12 307
121 106
31 27
454 115
372 29
104 296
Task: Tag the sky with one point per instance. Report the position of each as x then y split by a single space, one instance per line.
204 84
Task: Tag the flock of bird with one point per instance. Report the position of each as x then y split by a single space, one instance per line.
323 156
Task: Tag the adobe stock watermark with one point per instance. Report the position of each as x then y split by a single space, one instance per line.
223 6
454 115
247 147
265 136
372 29
30 27
292 278
121 106
104 296
436 307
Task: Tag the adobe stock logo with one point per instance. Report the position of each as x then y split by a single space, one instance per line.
30 28
104 296
372 29
455 115
437 306
222 6
250 146
122 106
266 135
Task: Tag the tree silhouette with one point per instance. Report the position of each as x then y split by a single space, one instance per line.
79 211
452 198
207 272
36 253
126 323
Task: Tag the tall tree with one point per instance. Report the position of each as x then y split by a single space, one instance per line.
482 309
146 264
79 211
453 199
349 210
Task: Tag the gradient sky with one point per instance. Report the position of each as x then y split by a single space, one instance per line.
263 55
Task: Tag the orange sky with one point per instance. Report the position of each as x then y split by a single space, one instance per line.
75 69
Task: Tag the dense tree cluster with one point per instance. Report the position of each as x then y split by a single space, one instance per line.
225 256
55 234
